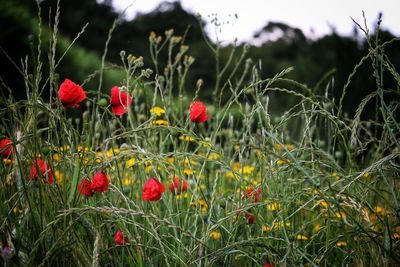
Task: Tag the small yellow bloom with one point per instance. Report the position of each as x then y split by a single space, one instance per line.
157 111
56 157
324 204
316 228
340 215
7 162
59 176
290 147
274 206
170 160
214 156
278 147
149 168
187 171
266 228
128 181
206 144
236 166
247 169
130 162
280 224
215 235
160 122
281 162
81 148
301 237
381 211
337 176
341 244
17 211
64 148
366 175
111 152
186 138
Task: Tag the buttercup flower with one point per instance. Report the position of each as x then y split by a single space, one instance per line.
120 101
119 238
40 167
176 187
153 190
71 94
198 112
99 182
157 111
6 147
85 188
215 235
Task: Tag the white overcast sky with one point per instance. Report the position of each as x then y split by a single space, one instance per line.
304 14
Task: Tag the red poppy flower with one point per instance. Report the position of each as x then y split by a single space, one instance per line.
250 218
153 190
119 238
99 182
120 101
85 187
71 94
255 193
177 187
38 168
198 112
268 264
6 147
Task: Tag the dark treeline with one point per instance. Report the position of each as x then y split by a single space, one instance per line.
311 59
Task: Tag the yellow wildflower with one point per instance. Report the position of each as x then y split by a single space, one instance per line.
341 244
130 162
266 228
337 176
340 215
149 168
157 111
160 122
274 206
7 162
170 160
214 156
301 237
81 148
111 152
247 169
280 224
56 157
215 235
17 211
281 162
187 171
381 211
316 228
324 204
59 176
278 147
186 138
64 148
128 181
289 147
366 175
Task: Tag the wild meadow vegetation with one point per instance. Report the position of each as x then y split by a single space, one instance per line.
147 173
